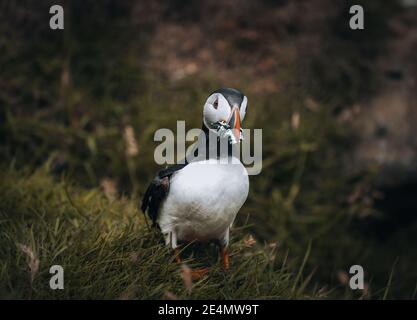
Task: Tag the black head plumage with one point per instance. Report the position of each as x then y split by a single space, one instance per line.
233 96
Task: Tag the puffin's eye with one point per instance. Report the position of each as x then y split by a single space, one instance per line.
215 104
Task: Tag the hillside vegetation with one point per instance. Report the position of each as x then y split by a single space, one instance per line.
79 109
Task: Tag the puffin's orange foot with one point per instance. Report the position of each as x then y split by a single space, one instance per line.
177 255
225 258
199 273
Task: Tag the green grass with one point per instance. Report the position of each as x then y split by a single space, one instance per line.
108 252
66 100
300 198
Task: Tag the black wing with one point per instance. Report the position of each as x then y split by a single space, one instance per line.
157 191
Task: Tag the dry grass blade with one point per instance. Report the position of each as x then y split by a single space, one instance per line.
343 277
250 241
33 261
130 140
295 120
300 272
170 296
186 276
109 188
390 280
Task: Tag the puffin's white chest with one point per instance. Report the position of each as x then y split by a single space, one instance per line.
203 200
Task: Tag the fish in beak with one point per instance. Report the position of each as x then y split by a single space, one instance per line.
230 128
234 124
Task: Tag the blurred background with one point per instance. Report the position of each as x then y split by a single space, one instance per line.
337 108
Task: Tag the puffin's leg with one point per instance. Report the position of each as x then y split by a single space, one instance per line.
177 253
224 251
172 239
196 273
225 257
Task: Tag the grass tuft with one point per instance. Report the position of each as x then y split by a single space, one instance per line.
108 252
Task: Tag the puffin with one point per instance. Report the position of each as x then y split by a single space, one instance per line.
197 199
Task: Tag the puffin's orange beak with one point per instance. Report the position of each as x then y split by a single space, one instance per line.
234 122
